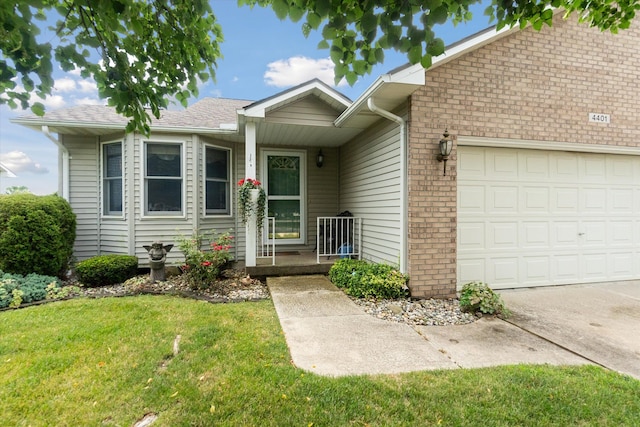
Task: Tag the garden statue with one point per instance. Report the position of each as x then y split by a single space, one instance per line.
157 258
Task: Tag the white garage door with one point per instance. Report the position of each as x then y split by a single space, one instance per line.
535 218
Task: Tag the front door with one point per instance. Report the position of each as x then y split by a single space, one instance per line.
284 173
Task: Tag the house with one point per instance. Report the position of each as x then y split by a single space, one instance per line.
542 186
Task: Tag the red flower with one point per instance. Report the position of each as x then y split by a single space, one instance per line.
206 263
241 182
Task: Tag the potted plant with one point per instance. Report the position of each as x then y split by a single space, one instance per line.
252 199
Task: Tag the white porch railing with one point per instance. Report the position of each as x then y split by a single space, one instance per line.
339 236
268 249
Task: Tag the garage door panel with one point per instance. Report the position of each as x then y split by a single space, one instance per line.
534 200
533 166
593 168
543 217
621 266
502 235
566 234
564 201
502 199
536 270
535 235
505 270
471 200
622 233
471 236
593 200
471 269
502 164
595 266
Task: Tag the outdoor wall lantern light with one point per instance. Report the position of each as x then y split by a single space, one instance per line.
319 159
445 146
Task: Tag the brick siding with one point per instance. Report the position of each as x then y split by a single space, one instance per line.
528 85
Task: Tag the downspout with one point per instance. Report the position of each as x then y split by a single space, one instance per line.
65 162
403 177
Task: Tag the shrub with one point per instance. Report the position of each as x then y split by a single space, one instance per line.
479 297
202 268
103 270
16 289
36 234
361 279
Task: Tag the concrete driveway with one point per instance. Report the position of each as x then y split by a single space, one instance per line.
600 322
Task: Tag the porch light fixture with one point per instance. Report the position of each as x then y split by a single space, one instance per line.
319 159
445 146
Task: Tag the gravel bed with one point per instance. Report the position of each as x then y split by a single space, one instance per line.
233 287
430 312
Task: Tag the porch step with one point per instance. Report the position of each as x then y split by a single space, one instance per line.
288 270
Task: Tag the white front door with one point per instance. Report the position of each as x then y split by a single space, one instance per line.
284 181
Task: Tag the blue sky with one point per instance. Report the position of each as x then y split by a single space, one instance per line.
261 57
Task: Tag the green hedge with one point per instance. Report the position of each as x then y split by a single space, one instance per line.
16 289
362 279
36 234
106 270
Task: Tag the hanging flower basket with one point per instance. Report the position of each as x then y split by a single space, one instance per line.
252 200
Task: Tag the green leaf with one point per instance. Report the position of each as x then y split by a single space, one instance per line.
323 45
435 47
415 54
38 109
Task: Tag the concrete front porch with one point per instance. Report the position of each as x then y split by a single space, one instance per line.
291 264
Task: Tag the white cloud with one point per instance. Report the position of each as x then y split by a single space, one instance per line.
88 86
18 161
65 84
299 69
88 101
52 101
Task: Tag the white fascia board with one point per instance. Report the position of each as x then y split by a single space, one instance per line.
409 76
37 125
259 108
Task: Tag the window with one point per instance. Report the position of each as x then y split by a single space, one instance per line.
112 178
163 178
217 181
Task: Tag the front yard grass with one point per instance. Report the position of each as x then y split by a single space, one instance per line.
110 361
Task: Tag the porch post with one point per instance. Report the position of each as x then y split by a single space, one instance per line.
250 172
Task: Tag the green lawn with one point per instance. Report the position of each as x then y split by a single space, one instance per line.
110 362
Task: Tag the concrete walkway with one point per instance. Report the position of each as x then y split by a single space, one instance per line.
329 335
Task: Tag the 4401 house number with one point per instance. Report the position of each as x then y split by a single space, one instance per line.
599 118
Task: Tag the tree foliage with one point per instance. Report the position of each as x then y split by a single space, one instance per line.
138 52
357 32
149 50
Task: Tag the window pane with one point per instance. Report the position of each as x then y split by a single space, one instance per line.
287 215
284 175
113 160
217 197
164 195
114 195
217 163
163 160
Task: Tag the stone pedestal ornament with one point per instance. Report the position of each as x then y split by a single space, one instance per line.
157 258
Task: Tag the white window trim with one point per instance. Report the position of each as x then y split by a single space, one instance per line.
204 182
102 179
264 154
144 214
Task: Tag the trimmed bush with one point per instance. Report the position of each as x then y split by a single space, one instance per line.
36 234
361 279
479 297
16 289
106 270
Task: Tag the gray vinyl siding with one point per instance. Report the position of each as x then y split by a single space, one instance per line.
84 190
370 180
114 232
322 189
165 229
309 111
223 223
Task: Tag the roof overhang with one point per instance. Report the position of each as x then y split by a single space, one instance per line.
389 90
